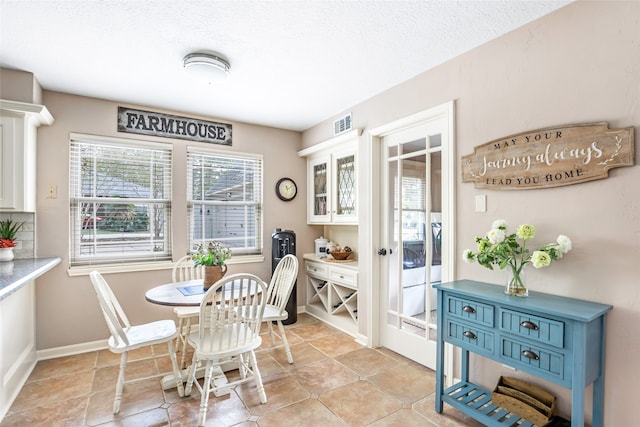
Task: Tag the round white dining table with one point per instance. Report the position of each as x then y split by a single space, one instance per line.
187 293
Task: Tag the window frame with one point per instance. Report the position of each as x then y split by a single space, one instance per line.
255 253
79 264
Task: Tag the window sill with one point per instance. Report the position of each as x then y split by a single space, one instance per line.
245 259
119 268
148 266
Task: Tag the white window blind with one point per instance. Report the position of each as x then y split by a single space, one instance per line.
225 200
120 195
413 208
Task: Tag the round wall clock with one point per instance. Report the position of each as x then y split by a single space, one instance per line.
286 189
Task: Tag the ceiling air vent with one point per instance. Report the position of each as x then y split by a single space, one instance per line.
343 124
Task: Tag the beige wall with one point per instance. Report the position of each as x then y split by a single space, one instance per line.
66 306
580 64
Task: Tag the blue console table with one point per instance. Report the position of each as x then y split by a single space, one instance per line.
559 339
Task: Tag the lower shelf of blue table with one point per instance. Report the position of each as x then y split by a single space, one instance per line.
476 402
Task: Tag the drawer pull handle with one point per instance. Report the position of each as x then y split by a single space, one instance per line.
529 325
470 335
530 354
468 309
341 276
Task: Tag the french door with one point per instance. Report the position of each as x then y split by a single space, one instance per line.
416 210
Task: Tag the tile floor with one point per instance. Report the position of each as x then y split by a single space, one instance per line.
334 381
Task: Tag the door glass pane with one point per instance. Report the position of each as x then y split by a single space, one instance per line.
413 146
392 215
435 141
436 234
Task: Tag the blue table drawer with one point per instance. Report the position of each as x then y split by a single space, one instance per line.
470 337
532 327
547 362
470 310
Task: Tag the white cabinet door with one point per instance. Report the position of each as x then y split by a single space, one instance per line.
17 343
18 126
11 179
319 187
344 187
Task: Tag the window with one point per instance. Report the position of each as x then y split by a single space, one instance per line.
225 200
120 194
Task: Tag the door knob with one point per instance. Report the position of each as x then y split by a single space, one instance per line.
382 251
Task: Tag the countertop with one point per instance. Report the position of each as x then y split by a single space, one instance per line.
353 264
17 273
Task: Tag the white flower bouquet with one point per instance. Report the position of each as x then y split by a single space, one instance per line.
497 247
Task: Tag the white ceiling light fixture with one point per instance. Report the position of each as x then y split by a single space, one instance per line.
207 67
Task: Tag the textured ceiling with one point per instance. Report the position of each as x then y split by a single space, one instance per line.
293 63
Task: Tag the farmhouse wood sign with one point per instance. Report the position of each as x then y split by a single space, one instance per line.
169 126
550 157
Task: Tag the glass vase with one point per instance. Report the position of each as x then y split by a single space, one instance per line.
516 282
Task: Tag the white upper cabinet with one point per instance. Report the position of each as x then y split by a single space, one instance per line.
18 132
332 185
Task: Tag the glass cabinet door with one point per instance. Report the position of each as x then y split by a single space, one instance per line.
319 208
345 188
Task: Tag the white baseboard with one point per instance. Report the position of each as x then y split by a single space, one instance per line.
362 339
70 350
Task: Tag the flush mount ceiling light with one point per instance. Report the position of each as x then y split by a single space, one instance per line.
207 67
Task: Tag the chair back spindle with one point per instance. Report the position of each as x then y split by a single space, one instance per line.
184 269
231 312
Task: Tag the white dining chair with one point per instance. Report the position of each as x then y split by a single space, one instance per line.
126 337
185 269
280 288
230 316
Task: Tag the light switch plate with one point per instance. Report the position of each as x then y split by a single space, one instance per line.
481 203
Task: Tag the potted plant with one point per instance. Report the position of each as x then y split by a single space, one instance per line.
8 231
213 257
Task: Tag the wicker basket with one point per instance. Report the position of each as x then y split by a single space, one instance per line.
525 400
340 255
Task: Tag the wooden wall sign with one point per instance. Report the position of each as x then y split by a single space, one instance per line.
169 126
550 157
